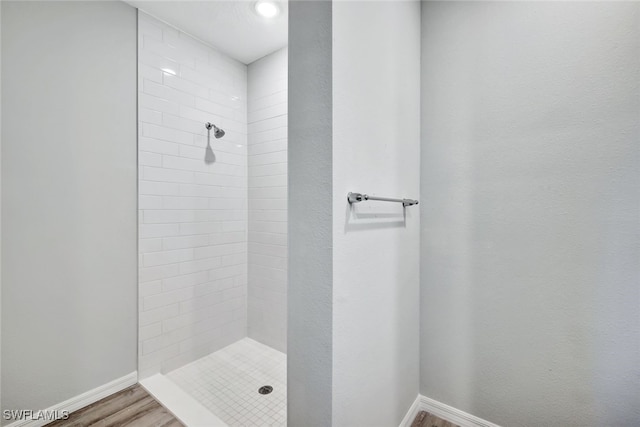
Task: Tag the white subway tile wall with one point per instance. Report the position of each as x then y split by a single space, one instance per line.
267 118
193 214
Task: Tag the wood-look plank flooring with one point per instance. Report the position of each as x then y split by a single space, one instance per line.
425 419
132 406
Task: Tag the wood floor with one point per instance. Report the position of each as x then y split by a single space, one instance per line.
132 406
425 419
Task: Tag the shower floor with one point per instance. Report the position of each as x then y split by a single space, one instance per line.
226 382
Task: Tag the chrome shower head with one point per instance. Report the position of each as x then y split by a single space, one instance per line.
217 132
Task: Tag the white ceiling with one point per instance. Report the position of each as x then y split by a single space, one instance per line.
231 26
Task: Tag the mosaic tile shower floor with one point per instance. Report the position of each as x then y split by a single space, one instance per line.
226 382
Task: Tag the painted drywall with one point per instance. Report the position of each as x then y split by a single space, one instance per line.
68 199
193 198
354 125
530 211
267 149
309 293
0 206
376 150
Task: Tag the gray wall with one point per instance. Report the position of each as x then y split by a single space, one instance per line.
69 272
310 274
530 211
0 204
353 277
376 149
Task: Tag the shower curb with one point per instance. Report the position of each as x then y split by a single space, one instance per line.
184 407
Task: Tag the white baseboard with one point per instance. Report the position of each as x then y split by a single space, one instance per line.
83 399
411 413
445 412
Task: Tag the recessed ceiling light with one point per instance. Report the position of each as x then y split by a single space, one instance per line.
266 8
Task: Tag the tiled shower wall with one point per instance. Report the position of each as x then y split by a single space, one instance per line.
192 199
267 297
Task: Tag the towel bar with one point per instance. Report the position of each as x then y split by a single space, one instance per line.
358 197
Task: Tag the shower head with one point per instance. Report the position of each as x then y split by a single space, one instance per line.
217 132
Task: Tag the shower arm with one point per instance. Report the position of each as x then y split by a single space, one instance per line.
217 132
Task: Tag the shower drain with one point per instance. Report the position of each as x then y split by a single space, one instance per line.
265 389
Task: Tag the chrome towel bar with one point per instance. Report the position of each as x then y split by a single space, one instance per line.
358 197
